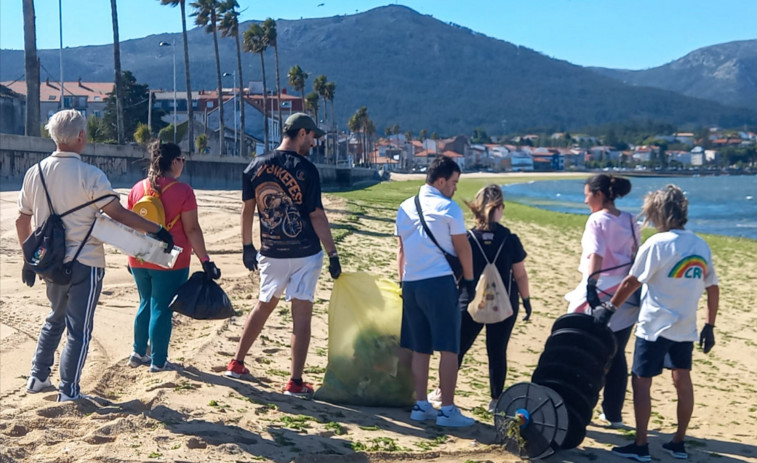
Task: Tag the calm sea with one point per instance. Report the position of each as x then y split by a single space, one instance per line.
723 205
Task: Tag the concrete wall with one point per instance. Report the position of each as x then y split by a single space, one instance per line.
125 165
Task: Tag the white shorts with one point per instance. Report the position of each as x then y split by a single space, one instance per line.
298 276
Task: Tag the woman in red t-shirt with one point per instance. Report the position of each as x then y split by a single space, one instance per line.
157 285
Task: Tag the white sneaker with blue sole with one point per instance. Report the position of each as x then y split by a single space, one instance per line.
421 414
452 417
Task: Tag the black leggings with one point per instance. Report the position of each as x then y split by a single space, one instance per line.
616 379
497 337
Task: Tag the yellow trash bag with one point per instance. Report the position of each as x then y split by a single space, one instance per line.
366 365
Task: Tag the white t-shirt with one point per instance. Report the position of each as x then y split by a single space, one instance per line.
675 267
70 183
423 260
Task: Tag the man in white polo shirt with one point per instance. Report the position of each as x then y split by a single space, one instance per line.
430 311
70 183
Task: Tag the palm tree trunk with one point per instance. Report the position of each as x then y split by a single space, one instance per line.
117 72
240 101
221 131
335 143
31 65
278 86
190 110
265 106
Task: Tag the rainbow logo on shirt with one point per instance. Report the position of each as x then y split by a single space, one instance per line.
689 267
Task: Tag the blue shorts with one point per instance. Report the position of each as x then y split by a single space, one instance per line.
430 315
649 358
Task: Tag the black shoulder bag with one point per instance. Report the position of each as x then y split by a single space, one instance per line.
45 249
453 261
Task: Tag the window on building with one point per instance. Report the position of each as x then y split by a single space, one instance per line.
67 102
210 103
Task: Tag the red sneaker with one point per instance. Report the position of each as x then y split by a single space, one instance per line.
236 369
305 391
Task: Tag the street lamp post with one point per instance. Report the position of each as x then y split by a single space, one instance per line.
234 76
173 48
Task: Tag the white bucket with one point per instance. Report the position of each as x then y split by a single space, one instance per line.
133 242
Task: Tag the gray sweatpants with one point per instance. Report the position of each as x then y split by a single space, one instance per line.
73 309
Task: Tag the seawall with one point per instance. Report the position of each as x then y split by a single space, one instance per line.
126 164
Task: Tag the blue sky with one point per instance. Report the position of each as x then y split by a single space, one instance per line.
630 34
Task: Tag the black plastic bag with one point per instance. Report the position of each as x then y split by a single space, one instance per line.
202 299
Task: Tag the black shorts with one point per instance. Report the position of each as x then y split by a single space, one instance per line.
649 358
431 316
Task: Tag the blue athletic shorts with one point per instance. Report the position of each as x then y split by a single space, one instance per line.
430 315
649 358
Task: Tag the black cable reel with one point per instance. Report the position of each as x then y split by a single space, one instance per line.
536 419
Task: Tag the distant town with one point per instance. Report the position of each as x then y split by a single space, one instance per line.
395 149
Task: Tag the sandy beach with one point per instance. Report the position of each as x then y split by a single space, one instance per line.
197 414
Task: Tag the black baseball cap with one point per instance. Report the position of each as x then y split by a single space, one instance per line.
302 121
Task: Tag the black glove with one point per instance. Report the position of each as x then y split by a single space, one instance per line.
165 236
27 275
467 290
211 270
527 307
707 338
591 293
603 313
335 268
250 256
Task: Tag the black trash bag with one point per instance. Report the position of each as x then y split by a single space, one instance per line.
202 299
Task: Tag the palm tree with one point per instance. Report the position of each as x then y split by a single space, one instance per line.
311 103
31 65
297 78
229 26
190 109
269 26
117 72
319 85
205 15
254 41
330 92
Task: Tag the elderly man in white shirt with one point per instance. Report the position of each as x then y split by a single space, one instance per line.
70 182
430 310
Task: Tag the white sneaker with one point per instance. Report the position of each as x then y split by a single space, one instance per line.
435 398
34 385
493 406
67 398
613 424
136 360
453 418
168 366
419 414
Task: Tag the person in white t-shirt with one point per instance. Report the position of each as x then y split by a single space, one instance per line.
430 313
609 243
675 267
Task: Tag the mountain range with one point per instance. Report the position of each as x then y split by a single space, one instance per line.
416 71
726 73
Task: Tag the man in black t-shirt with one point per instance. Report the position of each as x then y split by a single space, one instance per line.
286 190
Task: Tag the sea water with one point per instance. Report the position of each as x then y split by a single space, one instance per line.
719 205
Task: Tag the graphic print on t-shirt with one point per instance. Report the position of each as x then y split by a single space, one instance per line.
693 266
278 213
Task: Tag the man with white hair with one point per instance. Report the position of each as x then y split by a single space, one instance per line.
69 182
